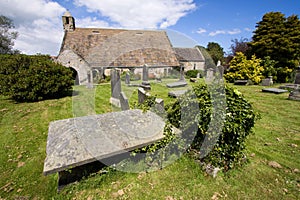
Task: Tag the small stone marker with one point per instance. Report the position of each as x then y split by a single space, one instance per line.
115 81
177 93
127 78
78 141
142 95
274 90
124 101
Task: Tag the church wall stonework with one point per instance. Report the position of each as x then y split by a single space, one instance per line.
70 59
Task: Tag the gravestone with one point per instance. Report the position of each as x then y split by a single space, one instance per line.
297 76
142 95
79 141
296 82
124 101
209 74
115 81
127 78
267 81
295 94
145 81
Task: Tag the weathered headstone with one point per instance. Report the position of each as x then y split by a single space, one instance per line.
127 78
145 81
295 94
142 95
115 81
209 74
124 101
297 76
267 81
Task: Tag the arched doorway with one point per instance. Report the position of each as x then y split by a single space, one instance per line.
75 76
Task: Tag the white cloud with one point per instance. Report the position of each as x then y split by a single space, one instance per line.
38 23
234 31
201 30
218 32
248 29
224 32
140 13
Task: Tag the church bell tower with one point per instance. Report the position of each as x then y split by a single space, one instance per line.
68 21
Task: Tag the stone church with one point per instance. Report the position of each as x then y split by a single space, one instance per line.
87 50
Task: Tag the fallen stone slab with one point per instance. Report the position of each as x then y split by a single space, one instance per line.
177 84
274 90
78 141
177 93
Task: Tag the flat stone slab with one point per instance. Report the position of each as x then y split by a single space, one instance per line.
274 90
240 82
77 141
177 84
177 93
289 86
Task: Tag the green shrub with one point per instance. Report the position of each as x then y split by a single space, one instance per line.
243 69
33 78
237 121
192 73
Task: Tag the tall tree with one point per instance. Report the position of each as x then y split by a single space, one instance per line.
7 36
279 38
216 51
240 45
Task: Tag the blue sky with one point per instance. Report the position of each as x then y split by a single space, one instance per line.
188 22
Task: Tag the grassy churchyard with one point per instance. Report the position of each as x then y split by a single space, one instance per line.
273 151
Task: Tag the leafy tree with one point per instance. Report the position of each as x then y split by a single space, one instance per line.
216 51
243 69
279 38
7 36
240 45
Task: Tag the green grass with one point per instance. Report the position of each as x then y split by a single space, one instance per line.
23 137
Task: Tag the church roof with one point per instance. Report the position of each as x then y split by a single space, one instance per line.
189 54
120 47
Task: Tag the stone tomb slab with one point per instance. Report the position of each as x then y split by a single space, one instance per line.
274 90
177 84
78 141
